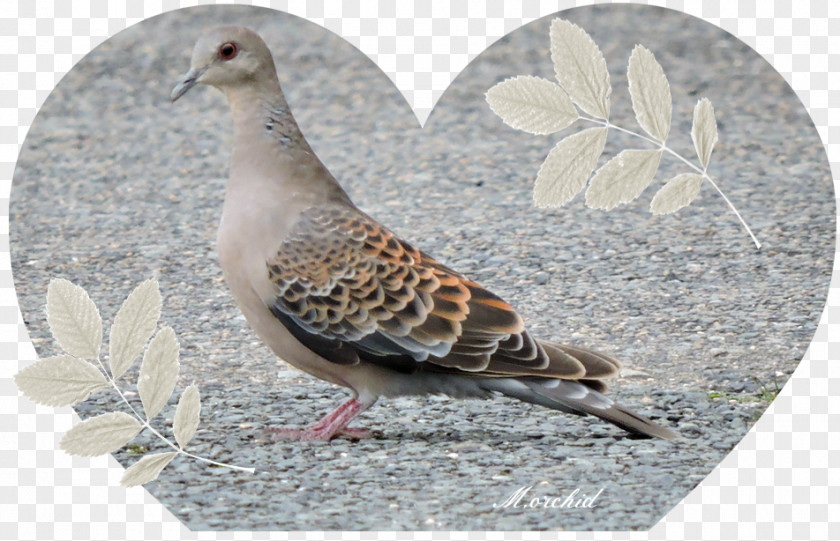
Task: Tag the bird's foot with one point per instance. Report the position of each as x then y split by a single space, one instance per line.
331 426
312 433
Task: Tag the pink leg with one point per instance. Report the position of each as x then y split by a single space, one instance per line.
332 425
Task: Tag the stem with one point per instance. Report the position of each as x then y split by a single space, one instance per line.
113 383
240 468
661 145
146 424
738 214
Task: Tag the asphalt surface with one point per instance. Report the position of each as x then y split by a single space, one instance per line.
115 185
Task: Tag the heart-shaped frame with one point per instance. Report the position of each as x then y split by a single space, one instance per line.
612 272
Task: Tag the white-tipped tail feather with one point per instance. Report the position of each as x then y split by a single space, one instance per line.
577 398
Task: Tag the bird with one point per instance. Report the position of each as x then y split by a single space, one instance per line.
338 295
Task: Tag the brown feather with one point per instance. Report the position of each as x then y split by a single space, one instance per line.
342 275
598 365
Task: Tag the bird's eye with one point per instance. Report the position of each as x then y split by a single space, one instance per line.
228 51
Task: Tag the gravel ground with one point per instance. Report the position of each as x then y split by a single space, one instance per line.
115 185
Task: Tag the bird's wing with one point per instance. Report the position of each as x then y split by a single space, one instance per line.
351 290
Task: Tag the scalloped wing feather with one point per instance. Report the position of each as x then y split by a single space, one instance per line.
350 289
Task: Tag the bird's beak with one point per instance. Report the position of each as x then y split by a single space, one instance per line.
189 80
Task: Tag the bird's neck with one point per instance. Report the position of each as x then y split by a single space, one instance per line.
269 147
262 117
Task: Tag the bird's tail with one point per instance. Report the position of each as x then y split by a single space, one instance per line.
580 396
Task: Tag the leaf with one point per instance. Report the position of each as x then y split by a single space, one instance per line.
580 68
59 381
73 319
650 93
159 371
704 130
186 416
134 325
100 435
567 167
676 193
622 179
146 469
532 104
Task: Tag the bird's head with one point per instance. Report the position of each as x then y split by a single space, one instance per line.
227 57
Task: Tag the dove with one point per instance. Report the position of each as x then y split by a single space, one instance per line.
336 294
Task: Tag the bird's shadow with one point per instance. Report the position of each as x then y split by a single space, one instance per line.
435 436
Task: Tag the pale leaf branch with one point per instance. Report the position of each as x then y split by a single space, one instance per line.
661 145
147 425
